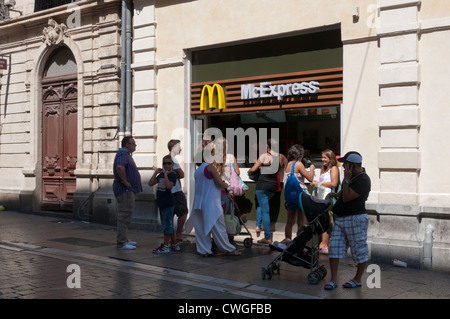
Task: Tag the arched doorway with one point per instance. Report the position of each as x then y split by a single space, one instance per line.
59 130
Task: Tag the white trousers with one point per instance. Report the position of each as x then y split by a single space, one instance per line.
219 233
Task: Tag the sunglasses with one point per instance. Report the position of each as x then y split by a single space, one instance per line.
167 163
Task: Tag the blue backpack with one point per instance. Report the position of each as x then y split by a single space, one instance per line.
292 191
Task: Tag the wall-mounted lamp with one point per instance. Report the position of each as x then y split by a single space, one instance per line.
355 14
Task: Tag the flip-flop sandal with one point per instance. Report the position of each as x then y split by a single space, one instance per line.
330 286
351 284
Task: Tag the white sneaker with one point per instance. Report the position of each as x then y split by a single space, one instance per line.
127 246
175 247
132 243
163 249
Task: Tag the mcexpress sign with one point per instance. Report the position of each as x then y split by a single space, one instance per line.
267 90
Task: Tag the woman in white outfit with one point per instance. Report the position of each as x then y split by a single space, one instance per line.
207 213
328 182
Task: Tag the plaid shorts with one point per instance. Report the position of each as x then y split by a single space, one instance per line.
350 231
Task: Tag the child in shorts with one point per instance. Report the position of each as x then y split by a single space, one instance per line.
165 178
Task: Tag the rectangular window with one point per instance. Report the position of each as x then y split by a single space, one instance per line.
40 5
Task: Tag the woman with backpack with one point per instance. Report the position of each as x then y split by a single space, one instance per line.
295 155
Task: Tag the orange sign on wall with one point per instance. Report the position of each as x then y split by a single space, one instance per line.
286 91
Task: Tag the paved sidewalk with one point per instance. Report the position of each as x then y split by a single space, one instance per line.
35 252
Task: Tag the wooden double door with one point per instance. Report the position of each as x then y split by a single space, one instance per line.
59 141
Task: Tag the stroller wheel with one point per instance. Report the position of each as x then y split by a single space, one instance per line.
248 242
276 267
322 271
314 278
266 272
269 273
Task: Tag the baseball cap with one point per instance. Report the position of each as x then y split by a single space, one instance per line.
352 157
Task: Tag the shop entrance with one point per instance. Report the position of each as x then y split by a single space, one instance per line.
59 131
292 84
316 129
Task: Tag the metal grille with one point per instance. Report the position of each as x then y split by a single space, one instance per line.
40 5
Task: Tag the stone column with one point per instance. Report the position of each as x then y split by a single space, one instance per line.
399 115
144 108
399 157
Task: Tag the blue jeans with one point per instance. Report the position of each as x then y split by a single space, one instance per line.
166 220
263 200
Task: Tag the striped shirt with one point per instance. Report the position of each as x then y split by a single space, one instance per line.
123 158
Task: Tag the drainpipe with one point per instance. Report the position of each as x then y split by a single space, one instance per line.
122 74
428 247
128 67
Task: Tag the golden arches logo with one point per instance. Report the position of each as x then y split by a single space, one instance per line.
214 95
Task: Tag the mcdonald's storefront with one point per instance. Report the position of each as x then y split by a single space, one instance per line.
351 75
291 87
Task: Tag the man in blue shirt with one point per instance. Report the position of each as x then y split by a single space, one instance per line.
127 183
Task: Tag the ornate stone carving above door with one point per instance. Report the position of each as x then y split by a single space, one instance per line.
55 33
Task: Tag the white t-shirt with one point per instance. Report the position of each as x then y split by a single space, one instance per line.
177 186
320 191
229 160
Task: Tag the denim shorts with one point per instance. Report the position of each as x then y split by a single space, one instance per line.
350 231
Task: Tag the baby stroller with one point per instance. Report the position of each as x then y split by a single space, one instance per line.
233 221
297 252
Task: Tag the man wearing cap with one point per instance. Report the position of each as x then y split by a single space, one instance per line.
351 221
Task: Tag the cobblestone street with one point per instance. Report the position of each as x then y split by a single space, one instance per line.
36 251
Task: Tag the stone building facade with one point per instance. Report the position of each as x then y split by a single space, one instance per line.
390 101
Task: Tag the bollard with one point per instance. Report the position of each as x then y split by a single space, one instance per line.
428 247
